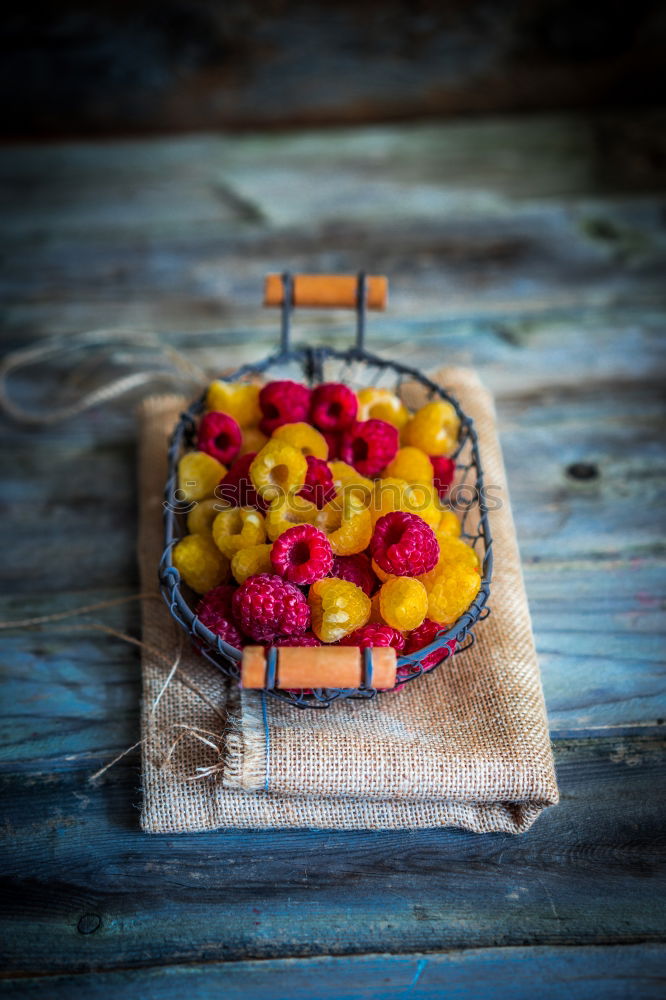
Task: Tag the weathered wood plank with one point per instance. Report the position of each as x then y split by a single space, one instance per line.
590 871
200 66
619 972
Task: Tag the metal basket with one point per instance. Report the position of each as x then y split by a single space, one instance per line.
356 367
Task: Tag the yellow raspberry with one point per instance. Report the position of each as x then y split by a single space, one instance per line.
303 436
251 561
375 612
240 401
200 518
253 440
382 404
347 482
413 498
200 563
278 469
348 524
338 607
452 552
434 428
380 573
448 525
198 475
403 602
286 511
410 464
452 592
236 528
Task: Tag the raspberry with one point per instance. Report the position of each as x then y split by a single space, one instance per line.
266 606
348 482
424 635
453 552
200 518
338 607
449 525
413 498
410 464
452 591
444 469
277 469
403 544
369 446
220 436
334 442
333 407
379 572
236 528
250 561
375 613
236 487
357 570
348 525
253 441
200 563
382 404
198 475
283 402
302 555
305 438
374 635
307 639
318 488
285 512
403 602
240 401
434 428
214 611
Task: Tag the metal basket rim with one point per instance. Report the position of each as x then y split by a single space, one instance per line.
312 359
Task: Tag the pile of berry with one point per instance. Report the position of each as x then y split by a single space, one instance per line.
318 516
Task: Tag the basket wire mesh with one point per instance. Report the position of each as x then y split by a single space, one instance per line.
357 368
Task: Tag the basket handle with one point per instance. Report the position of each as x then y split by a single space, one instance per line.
325 291
319 667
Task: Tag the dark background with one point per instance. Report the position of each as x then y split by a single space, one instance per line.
98 67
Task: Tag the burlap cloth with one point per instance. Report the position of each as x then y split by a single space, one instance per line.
466 745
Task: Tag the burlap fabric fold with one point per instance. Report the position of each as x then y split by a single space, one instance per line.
465 746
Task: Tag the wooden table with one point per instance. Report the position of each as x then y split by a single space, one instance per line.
533 248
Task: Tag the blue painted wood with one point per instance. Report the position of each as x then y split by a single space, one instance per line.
556 294
626 972
590 871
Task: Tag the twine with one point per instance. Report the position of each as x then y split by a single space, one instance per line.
174 672
104 340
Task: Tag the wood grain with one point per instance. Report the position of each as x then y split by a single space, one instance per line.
543 266
580 875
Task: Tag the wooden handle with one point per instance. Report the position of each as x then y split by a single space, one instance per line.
327 291
319 667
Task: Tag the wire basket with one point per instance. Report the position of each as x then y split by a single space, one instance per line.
357 368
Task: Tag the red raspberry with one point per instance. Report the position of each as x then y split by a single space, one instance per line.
214 611
444 470
318 488
374 635
356 569
422 636
369 446
266 606
334 442
334 407
236 487
404 545
307 639
283 402
220 436
302 554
